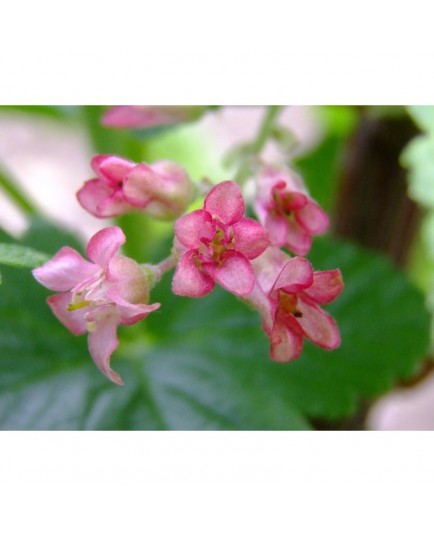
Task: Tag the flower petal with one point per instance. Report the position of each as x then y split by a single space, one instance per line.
326 286
104 245
142 116
131 313
112 168
234 273
102 342
127 280
296 275
250 237
225 202
298 239
139 184
73 320
313 218
268 266
286 344
277 227
102 200
317 325
189 280
65 270
262 303
295 200
189 229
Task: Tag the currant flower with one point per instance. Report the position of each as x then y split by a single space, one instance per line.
162 189
95 297
284 207
216 244
288 294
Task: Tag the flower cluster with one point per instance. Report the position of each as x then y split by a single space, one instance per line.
214 244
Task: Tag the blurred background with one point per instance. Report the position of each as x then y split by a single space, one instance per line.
371 168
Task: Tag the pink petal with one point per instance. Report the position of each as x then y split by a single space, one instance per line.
286 344
189 229
102 343
297 239
326 286
189 280
225 202
142 116
234 273
296 200
111 167
296 275
138 185
102 200
313 218
104 245
268 266
250 238
65 270
127 280
277 227
131 313
262 303
73 320
317 325
163 188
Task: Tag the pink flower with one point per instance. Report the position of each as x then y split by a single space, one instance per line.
97 296
286 210
217 244
288 294
162 190
149 116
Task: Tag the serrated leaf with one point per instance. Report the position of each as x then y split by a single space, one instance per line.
203 364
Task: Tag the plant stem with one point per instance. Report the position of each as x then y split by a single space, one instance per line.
167 264
266 127
258 143
17 195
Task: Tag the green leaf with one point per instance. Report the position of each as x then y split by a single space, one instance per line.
423 116
15 255
203 364
52 112
48 380
418 157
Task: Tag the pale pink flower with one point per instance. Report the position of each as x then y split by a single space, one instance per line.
217 244
140 117
97 296
162 189
288 294
286 210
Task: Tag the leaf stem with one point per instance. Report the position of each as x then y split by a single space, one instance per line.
17 195
258 143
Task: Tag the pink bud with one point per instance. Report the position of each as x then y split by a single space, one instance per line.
140 117
162 190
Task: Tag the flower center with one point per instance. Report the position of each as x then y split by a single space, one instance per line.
222 241
281 204
288 303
